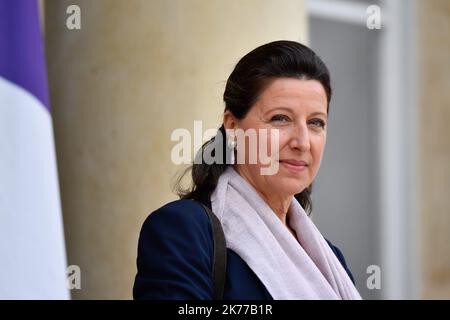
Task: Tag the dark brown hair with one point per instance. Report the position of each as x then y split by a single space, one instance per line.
251 75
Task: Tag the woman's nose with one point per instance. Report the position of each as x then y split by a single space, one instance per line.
300 138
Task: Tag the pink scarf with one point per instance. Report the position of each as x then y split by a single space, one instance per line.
287 269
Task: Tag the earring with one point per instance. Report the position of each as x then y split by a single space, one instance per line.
231 145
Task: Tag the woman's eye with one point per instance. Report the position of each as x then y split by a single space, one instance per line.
318 123
280 117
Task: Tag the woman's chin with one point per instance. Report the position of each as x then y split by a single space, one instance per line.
288 188
293 182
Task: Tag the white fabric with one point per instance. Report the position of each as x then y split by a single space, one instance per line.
32 249
287 269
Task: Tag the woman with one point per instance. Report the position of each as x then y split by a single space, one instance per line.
274 251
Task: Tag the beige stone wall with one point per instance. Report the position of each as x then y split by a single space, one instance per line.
433 17
135 71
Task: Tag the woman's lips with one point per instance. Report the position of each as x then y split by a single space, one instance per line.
294 165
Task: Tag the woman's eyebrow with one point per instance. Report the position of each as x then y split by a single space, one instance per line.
281 108
319 113
316 113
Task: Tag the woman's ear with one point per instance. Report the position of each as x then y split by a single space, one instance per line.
229 121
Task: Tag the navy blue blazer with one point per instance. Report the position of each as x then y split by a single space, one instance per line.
175 256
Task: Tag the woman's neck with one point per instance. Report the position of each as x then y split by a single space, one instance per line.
278 203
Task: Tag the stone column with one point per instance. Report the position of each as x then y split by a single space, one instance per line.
433 27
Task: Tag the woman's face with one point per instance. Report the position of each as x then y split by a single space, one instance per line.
298 109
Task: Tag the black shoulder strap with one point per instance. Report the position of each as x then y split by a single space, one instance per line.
220 254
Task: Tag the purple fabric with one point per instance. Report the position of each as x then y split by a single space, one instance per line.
22 59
